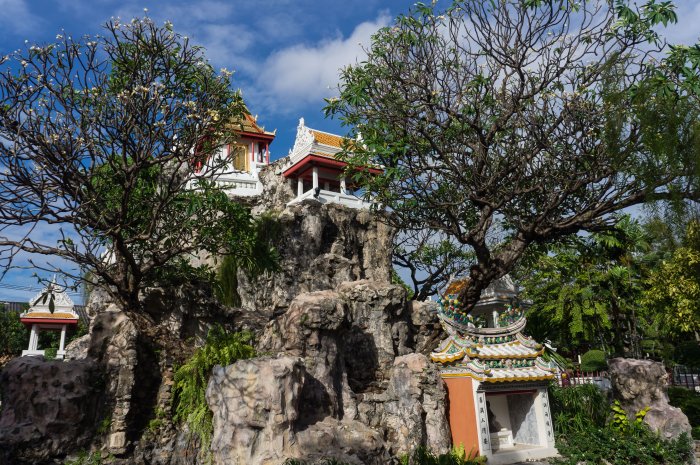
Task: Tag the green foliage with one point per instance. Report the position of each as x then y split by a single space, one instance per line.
104 425
673 289
593 360
253 257
419 456
14 337
396 279
639 446
221 348
90 458
576 408
688 401
585 291
457 456
583 433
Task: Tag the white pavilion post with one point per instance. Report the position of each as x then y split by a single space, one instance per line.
62 343
315 177
34 338
300 186
495 318
343 186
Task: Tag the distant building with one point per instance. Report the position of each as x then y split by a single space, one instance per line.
236 166
318 173
49 310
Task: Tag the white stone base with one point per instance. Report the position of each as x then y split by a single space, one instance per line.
502 440
521 453
33 353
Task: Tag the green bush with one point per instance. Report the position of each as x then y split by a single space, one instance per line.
89 458
14 337
457 456
606 446
689 402
577 408
593 360
583 433
190 380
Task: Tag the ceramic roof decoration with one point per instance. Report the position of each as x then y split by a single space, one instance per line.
488 354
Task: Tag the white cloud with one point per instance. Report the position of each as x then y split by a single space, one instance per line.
304 74
15 17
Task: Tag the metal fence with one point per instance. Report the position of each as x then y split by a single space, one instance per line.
684 377
576 378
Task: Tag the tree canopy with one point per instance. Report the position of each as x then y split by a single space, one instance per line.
98 138
506 124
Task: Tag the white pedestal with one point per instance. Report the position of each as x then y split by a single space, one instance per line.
32 353
502 439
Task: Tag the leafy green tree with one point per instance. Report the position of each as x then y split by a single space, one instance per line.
586 292
504 125
98 139
672 290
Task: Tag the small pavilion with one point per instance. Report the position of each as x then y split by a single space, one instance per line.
318 173
237 165
49 310
495 376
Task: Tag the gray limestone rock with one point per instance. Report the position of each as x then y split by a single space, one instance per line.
49 408
638 384
414 406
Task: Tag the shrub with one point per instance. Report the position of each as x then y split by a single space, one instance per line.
593 360
190 380
14 337
578 407
689 402
582 434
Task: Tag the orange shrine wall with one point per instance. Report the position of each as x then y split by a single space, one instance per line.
462 413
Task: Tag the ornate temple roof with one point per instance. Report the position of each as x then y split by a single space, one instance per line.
40 310
249 124
497 354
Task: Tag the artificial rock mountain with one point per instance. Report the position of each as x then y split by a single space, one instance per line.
344 372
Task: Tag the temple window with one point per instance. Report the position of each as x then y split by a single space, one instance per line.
239 157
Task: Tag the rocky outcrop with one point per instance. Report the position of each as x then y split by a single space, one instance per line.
321 246
414 406
257 407
638 384
50 408
356 382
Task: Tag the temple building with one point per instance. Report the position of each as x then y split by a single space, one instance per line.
312 164
495 376
237 165
49 310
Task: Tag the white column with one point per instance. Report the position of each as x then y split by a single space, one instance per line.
343 186
315 177
62 343
300 187
495 318
34 338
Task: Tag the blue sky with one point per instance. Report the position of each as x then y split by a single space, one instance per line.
285 53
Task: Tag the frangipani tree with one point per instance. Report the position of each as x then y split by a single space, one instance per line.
510 123
98 137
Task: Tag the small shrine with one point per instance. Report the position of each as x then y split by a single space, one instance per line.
49 310
495 376
319 175
237 165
